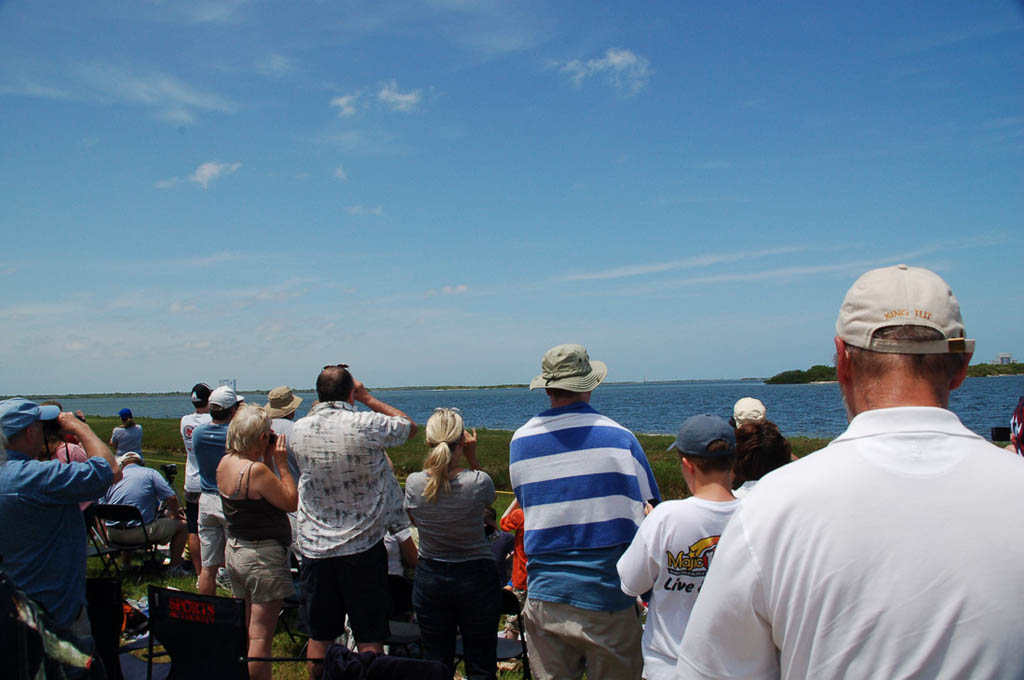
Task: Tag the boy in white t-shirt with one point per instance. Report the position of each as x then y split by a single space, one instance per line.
672 551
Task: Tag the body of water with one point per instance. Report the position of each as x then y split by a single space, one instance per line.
798 410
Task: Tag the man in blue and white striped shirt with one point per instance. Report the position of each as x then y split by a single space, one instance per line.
582 481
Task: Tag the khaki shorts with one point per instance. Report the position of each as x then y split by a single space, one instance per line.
563 640
160 531
212 530
259 570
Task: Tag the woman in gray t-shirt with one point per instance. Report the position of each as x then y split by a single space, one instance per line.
455 589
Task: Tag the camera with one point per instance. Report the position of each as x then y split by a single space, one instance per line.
169 470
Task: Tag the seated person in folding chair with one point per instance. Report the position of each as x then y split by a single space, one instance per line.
256 503
145 488
42 536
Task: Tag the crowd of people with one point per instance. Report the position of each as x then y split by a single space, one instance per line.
873 557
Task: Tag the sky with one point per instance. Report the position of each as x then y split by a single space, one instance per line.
435 192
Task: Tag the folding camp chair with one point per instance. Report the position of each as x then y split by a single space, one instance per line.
403 632
98 548
204 636
507 649
127 515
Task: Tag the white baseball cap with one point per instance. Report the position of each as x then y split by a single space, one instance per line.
902 296
225 397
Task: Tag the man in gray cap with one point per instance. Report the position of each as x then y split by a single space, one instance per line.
894 551
42 535
582 481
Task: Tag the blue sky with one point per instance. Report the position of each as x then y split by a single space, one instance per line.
435 192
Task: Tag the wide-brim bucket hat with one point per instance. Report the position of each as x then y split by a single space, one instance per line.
568 367
281 401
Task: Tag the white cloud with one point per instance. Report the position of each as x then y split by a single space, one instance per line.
626 71
688 263
211 170
455 290
364 211
346 105
340 173
172 99
203 175
398 101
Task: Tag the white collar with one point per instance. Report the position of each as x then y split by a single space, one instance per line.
905 419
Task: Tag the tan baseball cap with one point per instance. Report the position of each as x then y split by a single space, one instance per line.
568 367
902 296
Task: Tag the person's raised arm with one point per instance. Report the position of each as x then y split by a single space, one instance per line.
469 448
93 445
281 492
363 396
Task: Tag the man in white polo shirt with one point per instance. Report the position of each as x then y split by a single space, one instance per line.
894 552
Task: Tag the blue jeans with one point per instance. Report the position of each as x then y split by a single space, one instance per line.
458 595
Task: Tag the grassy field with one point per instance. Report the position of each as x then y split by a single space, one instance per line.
162 444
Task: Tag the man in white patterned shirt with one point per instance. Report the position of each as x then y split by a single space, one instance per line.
348 497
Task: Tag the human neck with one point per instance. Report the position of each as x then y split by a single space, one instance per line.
712 488
891 393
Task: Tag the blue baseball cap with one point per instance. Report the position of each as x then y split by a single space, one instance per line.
17 414
697 432
125 413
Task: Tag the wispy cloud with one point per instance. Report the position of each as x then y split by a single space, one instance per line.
364 211
172 99
214 11
346 104
363 141
34 89
208 260
340 173
626 71
181 307
688 263
922 43
390 95
203 175
275 66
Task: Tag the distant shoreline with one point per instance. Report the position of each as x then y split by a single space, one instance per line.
410 388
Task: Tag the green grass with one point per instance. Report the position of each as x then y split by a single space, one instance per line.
162 444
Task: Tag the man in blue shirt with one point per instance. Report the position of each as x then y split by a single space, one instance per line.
145 488
208 442
42 535
583 481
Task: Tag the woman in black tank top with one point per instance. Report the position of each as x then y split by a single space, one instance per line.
256 502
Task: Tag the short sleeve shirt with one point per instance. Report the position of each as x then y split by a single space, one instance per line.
141 487
127 439
452 525
189 422
348 496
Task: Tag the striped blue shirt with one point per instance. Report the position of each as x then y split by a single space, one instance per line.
581 478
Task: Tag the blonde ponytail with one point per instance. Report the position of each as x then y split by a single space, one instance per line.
443 434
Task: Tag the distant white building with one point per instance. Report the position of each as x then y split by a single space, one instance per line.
1003 358
230 382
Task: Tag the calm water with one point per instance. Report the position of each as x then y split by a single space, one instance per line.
809 410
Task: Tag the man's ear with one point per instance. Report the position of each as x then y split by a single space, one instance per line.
961 375
842 362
